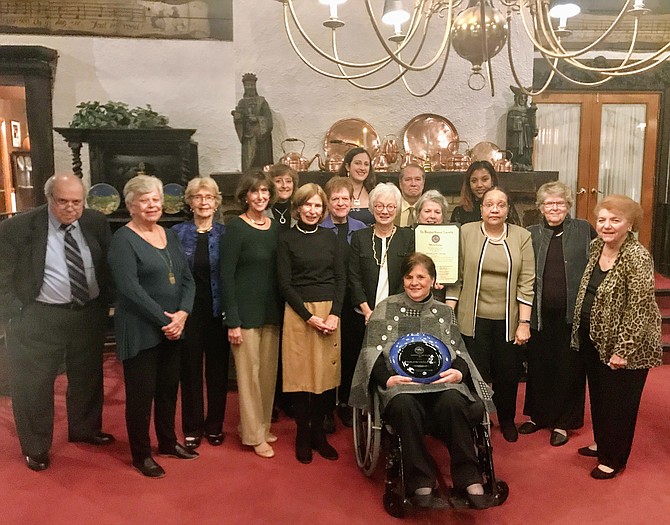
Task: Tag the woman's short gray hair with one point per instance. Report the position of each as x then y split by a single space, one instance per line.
436 197
556 188
386 190
141 185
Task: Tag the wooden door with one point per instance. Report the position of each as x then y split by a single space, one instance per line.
601 143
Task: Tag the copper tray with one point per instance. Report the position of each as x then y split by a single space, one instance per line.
350 133
427 136
485 151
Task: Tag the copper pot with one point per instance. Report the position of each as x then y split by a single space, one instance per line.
457 161
504 163
295 160
380 163
332 163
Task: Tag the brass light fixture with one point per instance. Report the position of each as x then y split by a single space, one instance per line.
476 29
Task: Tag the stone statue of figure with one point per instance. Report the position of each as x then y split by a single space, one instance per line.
521 131
253 123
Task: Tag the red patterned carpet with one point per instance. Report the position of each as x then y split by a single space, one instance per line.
229 484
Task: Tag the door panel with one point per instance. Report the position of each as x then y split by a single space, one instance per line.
615 146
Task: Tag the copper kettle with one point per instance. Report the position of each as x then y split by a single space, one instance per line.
457 161
332 163
293 159
503 161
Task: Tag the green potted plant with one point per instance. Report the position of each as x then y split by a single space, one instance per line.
116 115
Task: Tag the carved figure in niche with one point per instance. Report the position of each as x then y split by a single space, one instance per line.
521 131
253 123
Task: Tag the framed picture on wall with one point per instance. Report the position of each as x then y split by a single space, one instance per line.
16 134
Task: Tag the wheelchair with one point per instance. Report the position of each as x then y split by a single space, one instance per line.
372 437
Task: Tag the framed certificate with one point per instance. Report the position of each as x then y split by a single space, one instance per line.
440 242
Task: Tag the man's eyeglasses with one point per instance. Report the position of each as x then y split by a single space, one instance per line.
64 203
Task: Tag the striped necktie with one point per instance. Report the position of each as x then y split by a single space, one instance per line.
75 267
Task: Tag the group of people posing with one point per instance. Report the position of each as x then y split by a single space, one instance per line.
299 283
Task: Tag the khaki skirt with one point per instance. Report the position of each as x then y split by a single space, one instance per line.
310 359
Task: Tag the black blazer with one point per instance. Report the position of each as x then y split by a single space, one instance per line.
23 241
364 271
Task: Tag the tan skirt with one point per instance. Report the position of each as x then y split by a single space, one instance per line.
310 359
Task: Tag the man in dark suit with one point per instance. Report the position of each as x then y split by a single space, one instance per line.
54 295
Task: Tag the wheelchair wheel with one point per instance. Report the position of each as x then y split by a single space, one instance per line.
367 436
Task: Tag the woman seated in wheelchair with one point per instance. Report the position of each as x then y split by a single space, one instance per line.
444 406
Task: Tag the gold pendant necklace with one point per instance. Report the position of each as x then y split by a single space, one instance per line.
386 251
168 262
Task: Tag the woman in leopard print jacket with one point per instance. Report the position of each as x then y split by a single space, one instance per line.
617 330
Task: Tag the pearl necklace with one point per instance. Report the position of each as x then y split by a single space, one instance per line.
495 239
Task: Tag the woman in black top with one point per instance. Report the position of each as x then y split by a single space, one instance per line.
286 182
479 177
357 165
311 278
204 331
556 379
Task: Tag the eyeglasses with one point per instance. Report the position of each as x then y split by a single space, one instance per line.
558 205
499 205
64 203
203 198
390 207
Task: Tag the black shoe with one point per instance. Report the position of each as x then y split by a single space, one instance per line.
557 439
149 468
325 449
99 439
428 501
38 462
529 427
192 442
178 452
480 501
216 439
509 431
329 423
303 449
596 473
588 452
346 415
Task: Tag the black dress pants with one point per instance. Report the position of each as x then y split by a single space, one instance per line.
39 341
615 399
205 338
450 417
499 362
152 377
556 385
353 331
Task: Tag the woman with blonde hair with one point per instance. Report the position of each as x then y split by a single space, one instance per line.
312 279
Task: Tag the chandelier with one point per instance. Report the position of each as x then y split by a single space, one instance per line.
477 30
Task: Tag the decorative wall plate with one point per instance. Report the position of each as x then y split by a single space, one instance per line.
485 151
104 198
173 198
351 133
427 136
